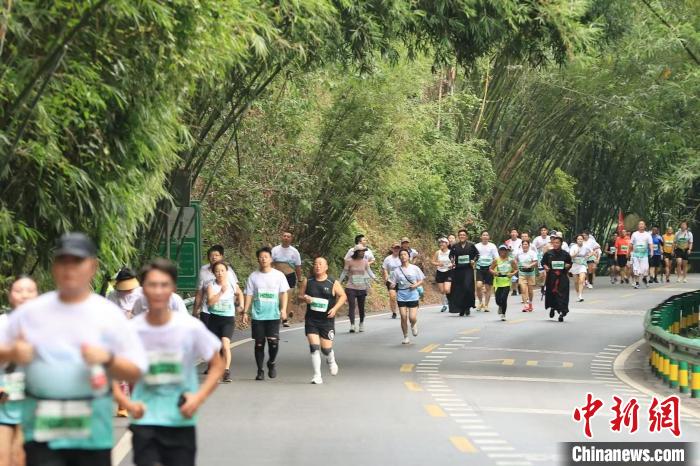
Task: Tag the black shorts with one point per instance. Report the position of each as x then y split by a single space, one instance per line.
611 260
172 446
204 317
484 275
655 261
323 328
221 326
668 255
681 254
622 260
409 304
292 280
261 329
443 277
39 454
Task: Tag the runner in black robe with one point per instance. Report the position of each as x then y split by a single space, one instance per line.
556 263
463 255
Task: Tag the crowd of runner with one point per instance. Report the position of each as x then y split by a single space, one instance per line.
67 355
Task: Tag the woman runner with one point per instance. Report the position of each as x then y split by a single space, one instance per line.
503 268
684 246
669 245
579 254
443 274
406 279
526 258
359 274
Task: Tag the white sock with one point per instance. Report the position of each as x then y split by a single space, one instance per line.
445 302
330 359
316 363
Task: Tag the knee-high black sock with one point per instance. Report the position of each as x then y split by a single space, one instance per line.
272 348
259 353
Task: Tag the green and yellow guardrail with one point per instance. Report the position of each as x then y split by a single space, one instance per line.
675 354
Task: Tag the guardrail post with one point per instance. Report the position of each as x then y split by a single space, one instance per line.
667 369
695 382
683 377
673 375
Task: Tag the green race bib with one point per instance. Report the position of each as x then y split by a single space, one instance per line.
266 305
504 268
461 260
14 386
640 250
484 262
164 368
558 265
224 307
56 420
682 243
319 305
613 249
624 248
359 280
580 260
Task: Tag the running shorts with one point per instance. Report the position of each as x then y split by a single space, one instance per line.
409 304
611 261
292 280
261 329
204 317
323 328
668 255
442 277
622 260
529 280
39 453
174 446
221 326
681 254
655 261
484 276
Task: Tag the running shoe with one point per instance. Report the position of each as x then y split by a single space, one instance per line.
589 286
414 329
685 280
525 308
227 377
561 318
333 367
405 341
668 280
285 323
503 317
352 328
514 293
444 308
393 315
580 299
530 307
362 326
636 286
261 375
551 313
317 380
271 370
486 309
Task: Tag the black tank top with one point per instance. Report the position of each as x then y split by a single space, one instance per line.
323 290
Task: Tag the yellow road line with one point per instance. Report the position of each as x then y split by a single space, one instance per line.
463 444
414 387
470 331
627 295
407 367
567 364
435 411
532 363
516 321
503 362
430 348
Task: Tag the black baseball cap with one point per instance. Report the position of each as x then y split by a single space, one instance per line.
76 245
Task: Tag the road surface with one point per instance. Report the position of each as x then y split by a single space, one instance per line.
468 390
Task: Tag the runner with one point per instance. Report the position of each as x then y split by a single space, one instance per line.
406 245
324 296
463 256
655 259
560 235
622 249
684 246
526 259
266 293
223 300
286 259
610 253
556 263
22 289
541 244
593 257
406 279
165 401
484 278
642 247
443 273
580 252
359 274
127 291
503 268
177 304
71 342
369 255
206 275
669 246
513 244
390 263
451 239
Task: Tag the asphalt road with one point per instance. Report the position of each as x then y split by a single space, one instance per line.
468 390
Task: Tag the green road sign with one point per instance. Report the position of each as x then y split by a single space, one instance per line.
184 233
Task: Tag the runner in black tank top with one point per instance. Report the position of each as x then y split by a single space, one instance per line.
324 296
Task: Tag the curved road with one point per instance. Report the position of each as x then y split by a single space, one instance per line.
471 390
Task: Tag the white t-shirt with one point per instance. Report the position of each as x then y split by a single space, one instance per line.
173 350
641 243
514 244
403 278
487 254
685 237
176 304
57 330
525 258
565 246
539 243
206 276
369 255
290 255
582 253
125 300
226 306
265 289
592 243
390 263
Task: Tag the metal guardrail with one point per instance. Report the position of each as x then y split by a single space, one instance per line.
675 358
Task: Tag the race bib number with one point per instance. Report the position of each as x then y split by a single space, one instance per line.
359 280
613 249
580 260
56 420
640 250
224 307
461 260
656 247
319 304
624 248
682 243
504 268
14 386
558 265
484 261
164 368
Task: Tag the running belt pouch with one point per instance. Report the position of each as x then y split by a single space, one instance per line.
527 269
